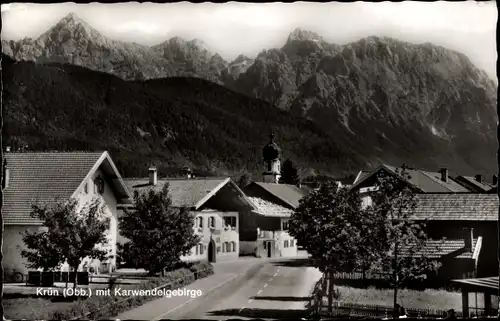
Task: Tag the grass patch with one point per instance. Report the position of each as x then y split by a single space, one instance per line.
429 299
36 308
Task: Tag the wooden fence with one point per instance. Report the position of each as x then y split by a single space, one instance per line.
318 306
355 279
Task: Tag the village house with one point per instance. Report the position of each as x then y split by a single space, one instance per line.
419 180
44 177
264 231
216 203
467 221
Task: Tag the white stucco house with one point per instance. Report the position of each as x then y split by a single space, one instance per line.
216 203
43 178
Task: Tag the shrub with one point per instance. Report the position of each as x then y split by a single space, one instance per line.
107 306
202 269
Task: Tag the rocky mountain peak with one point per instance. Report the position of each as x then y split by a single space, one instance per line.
303 43
72 27
72 18
241 58
304 35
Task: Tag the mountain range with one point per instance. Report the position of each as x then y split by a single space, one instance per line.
378 99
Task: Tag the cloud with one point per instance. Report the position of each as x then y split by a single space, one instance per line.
139 26
13 7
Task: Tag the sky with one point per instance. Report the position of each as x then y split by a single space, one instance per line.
235 28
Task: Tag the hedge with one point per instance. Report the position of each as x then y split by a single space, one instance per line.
96 307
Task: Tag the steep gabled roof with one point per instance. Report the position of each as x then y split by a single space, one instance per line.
44 177
289 194
191 193
361 175
423 181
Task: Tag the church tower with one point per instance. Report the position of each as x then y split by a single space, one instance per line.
271 153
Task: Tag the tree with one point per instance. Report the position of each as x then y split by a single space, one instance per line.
289 174
401 241
159 234
328 223
244 180
72 233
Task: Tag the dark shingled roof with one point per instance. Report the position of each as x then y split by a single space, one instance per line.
361 175
290 194
457 207
42 177
184 192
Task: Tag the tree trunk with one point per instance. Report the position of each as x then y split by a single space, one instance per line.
365 281
396 280
75 269
330 292
396 311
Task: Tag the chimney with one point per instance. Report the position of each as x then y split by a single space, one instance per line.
6 175
444 175
468 239
479 178
186 172
153 176
495 179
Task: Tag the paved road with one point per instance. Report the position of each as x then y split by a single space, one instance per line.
245 289
268 291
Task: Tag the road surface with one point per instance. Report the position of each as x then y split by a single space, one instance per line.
245 289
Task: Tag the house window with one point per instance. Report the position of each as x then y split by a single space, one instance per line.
233 246
225 247
201 249
86 188
211 222
199 222
285 225
286 244
265 242
292 243
197 251
99 185
230 221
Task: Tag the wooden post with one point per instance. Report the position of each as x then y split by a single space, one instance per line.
330 292
487 303
465 303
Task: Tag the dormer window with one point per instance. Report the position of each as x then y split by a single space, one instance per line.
86 188
211 222
99 185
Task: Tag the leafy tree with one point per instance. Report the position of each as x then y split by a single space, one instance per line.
289 174
328 223
159 234
244 180
401 241
71 234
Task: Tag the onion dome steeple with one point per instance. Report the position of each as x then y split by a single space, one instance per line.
271 151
